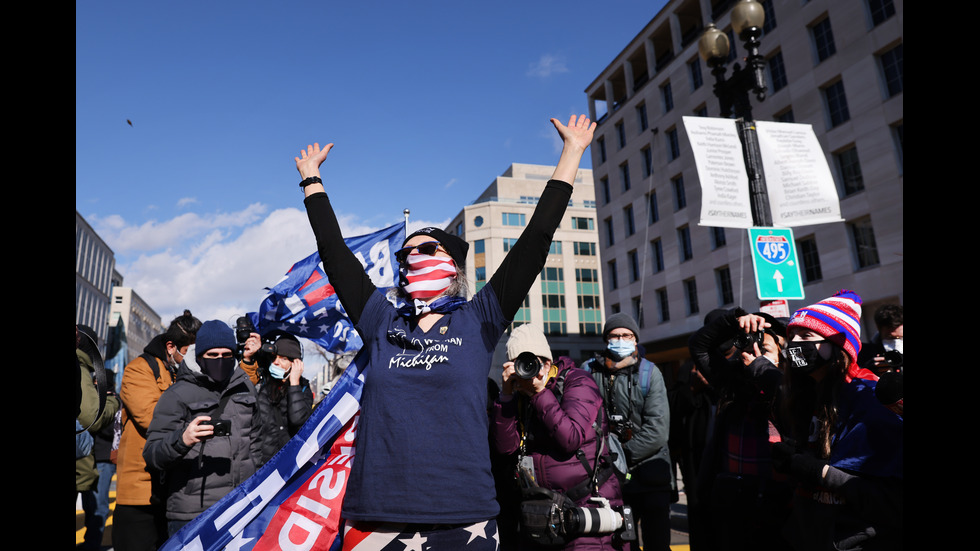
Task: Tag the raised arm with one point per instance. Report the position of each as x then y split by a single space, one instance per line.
345 272
524 261
576 137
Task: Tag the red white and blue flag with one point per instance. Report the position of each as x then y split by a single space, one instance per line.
293 502
304 302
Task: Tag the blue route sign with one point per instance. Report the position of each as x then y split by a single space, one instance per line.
777 271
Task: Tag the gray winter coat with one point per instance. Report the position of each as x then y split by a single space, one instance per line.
647 454
194 484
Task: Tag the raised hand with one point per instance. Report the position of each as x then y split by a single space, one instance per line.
310 159
577 136
578 132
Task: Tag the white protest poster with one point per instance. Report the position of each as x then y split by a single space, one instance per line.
721 171
801 187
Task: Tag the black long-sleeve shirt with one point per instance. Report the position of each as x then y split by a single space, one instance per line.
510 282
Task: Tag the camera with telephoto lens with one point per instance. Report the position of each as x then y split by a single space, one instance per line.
222 427
746 340
527 365
603 519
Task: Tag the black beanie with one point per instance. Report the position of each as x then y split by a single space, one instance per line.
620 320
455 246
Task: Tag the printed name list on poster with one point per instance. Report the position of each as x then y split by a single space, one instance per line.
721 171
801 187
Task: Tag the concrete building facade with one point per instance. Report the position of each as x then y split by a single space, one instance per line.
95 266
566 299
140 323
833 64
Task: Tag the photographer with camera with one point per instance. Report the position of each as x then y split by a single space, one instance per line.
204 433
635 399
741 503
886 350
249 344
285 398
550 415
837 418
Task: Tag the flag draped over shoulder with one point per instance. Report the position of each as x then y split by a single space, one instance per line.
294 500
305 304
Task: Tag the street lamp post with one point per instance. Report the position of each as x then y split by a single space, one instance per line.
747 18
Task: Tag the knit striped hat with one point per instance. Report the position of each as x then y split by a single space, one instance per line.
837 319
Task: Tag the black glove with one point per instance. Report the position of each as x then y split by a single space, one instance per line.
806 468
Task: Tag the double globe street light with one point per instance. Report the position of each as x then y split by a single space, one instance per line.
747 18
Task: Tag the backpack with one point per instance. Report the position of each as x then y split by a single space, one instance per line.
646 372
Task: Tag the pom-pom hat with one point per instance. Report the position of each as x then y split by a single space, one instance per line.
838 320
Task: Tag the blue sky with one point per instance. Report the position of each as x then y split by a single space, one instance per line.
426 102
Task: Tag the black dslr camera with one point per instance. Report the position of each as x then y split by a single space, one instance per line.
622 427
243 329
527 365
893 358
743 341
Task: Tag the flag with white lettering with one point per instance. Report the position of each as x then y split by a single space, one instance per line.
304 303
294 500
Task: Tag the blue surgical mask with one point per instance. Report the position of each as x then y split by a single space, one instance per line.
621 348
277 372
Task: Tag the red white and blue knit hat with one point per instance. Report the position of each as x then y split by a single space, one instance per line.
837 319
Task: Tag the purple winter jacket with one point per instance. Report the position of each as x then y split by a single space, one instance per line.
557 431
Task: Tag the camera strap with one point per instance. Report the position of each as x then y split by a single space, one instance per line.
101 380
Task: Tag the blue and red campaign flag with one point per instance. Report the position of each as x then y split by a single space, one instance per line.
293 501
305 304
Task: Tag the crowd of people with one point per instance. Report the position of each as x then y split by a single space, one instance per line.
782 438
192 421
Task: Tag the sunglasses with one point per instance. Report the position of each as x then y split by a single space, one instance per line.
428 248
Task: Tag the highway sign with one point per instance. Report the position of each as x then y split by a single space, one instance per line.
777 270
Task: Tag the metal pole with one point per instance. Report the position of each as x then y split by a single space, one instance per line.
758 192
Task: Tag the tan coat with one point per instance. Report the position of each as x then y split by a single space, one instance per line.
140 392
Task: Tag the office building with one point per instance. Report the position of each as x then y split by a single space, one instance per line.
834 64
566 299
95 266
135 324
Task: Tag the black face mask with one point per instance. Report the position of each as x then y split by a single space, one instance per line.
804 357
219 369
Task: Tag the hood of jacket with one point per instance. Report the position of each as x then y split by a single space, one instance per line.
157 347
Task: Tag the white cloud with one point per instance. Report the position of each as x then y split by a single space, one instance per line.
546 66
186 201
216 265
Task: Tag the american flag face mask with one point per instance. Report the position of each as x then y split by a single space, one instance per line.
424 276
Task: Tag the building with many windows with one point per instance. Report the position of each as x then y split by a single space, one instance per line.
833 64
566 299
95 266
